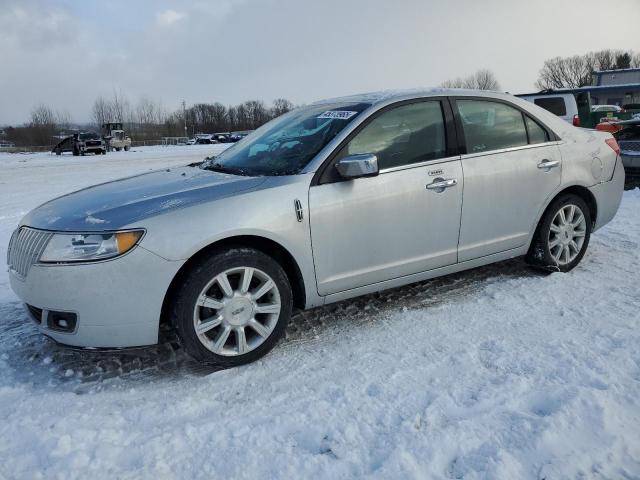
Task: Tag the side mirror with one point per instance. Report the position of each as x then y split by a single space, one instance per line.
360 165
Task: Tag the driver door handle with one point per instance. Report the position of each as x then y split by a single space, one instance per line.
441 184
549 164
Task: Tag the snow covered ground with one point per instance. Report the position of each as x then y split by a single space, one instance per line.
499 372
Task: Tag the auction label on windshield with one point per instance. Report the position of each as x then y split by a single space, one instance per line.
339 114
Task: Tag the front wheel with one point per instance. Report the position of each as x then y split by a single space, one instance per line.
233 307
562 236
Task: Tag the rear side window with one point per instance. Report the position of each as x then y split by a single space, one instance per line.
554 105
403 135
491 125
537 134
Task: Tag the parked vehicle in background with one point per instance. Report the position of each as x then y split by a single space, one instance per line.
607 108
576 106
191 141
115 137
294 216
563 105
628 137
81 144
205 140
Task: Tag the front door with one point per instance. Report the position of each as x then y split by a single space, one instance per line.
373 229
510 169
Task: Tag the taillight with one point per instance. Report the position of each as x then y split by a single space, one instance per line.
613 144
576 121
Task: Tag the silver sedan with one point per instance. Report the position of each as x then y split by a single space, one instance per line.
333 200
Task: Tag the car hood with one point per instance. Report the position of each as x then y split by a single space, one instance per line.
115 204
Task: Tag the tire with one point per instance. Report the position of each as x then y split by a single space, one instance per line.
231 320
562 248
118 149
126 148
58 152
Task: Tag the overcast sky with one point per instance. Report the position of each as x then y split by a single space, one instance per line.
65 53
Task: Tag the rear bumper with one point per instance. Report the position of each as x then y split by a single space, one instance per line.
117 303
608 196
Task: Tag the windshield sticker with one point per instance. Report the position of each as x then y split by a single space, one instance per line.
339 114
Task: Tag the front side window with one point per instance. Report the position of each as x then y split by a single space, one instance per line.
287 144
403 135
491 125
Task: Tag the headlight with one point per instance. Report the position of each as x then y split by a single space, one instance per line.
82 247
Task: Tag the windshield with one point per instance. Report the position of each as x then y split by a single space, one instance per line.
89 136
287 144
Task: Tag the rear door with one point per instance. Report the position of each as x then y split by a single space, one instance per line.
510 169
369 230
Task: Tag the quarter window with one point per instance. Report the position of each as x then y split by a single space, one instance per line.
491 125
407 134
537 134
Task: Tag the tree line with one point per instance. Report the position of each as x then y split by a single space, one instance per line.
147 119
576 71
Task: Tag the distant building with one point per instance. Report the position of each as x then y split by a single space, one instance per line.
615 87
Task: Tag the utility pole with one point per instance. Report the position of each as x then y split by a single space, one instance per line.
184 114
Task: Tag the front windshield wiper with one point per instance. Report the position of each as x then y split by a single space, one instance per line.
217 167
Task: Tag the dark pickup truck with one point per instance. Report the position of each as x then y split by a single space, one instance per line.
81 144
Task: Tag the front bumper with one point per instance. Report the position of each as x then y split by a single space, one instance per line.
117 302
631 162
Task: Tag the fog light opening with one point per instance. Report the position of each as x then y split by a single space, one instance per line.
62 321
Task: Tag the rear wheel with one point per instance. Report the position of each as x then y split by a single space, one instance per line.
233 307
562 237
126 148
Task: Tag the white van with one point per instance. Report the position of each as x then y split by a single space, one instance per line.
563 105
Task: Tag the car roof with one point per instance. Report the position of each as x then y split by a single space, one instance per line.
388 96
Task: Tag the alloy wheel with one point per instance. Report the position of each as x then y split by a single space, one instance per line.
567 233
236 311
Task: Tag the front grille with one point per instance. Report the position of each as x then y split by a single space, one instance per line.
25 247
93 144
629 145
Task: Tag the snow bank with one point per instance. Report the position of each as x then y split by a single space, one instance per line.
494 373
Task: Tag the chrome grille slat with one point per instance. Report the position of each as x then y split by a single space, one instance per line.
629 145
25 247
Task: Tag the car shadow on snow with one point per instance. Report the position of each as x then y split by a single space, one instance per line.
27 357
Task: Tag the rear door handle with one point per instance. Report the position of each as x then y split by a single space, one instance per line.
440 184
546 164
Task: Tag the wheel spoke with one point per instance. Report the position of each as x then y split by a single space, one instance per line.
579 233
259 328
267 308
554 243
555 228
567 253
577 221
209 302
266 286
223 281
563 218
222 339
556 255
208 324
574 245
241 338
246 280
572 212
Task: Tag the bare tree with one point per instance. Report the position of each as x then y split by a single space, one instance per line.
576 71
280 107
42 125
481 80
102 112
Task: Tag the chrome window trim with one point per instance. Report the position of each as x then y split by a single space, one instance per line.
420 164
511 149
